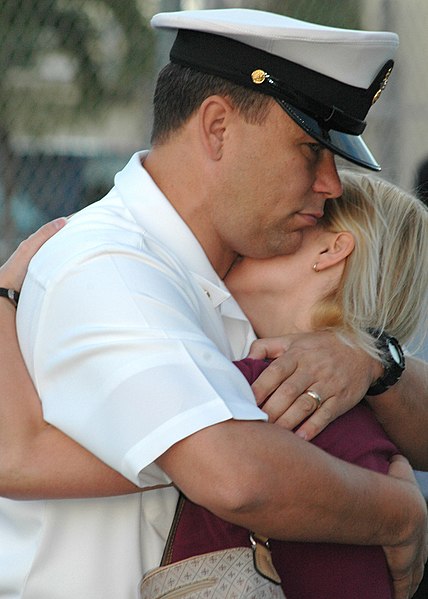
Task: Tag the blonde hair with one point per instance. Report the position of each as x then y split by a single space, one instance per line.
385 282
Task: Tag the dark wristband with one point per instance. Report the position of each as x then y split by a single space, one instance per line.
392 359
10 294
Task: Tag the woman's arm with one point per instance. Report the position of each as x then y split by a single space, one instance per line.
36 459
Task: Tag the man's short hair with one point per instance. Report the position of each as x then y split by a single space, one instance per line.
181 90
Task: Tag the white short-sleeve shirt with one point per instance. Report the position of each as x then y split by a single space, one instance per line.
128 334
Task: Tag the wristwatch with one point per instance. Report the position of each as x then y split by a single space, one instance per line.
392 359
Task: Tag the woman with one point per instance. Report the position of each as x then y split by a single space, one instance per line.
365 266
335 258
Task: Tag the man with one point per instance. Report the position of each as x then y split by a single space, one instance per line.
128 331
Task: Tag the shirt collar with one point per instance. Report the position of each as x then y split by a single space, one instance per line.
156 215
216 292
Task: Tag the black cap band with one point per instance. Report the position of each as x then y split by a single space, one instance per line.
333 104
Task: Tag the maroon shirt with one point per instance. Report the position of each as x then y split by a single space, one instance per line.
308 570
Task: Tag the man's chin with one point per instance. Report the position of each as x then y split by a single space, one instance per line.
278 244
290 243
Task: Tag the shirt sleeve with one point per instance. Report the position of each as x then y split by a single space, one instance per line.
121 361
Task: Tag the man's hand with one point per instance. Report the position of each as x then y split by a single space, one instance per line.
406 561
320 362
13 272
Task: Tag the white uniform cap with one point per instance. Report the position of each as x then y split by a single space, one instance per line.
325 78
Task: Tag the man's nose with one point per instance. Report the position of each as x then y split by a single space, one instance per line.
327 180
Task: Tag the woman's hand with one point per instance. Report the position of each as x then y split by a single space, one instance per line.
13 272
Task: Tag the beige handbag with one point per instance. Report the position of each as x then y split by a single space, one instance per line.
242 572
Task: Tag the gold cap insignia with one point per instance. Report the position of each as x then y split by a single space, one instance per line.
382 86
258 76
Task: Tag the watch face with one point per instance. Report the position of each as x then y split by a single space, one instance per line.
394 353
393 361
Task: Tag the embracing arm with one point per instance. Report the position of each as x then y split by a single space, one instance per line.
269 480
36 459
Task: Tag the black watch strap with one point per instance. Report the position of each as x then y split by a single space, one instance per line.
10 294
392 359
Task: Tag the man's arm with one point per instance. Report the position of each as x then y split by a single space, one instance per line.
341 375
403 412
272 481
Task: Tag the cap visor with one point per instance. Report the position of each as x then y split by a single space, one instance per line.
350 147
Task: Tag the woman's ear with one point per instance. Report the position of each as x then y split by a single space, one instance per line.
337 247
213 114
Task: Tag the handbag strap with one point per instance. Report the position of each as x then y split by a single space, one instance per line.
260 545
167 552
263 558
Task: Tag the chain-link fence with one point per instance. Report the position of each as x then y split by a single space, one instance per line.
76 87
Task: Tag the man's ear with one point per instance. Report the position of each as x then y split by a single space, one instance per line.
213 116
337 247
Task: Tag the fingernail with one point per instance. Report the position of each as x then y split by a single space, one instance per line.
302 434
60 222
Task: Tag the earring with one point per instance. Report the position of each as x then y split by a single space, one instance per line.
315 267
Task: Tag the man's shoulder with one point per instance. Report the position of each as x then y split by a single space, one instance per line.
101 243
104 227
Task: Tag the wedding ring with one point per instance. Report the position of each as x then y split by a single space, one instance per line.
315 396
